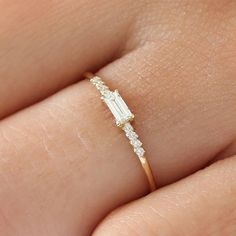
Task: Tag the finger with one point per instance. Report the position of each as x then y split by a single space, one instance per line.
69 157
202 204
78 155
46 45
63 160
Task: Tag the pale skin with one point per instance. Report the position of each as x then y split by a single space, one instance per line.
66 169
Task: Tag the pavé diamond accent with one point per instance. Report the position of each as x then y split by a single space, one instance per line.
128 127
136 143
139 151
131 135
133 138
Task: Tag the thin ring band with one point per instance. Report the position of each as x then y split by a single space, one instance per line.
123 117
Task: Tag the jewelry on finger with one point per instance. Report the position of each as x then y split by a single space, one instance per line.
123 117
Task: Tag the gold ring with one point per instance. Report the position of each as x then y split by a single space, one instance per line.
123 117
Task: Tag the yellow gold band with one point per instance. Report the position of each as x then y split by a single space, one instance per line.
123 117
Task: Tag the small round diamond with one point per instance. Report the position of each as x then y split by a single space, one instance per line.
101 87
96 80
136 143
128 127
139 151
131 135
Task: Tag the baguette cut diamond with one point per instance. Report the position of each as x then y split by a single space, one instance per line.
118 108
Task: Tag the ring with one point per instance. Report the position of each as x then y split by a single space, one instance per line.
123 118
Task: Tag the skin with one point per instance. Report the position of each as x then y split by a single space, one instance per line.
64 166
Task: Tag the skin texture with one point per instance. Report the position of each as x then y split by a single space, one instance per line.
64 166
180 209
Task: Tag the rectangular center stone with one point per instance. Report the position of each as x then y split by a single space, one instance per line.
118 108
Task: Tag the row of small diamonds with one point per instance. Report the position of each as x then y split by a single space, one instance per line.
101 86
133 138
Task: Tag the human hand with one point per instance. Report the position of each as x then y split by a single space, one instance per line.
63 164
